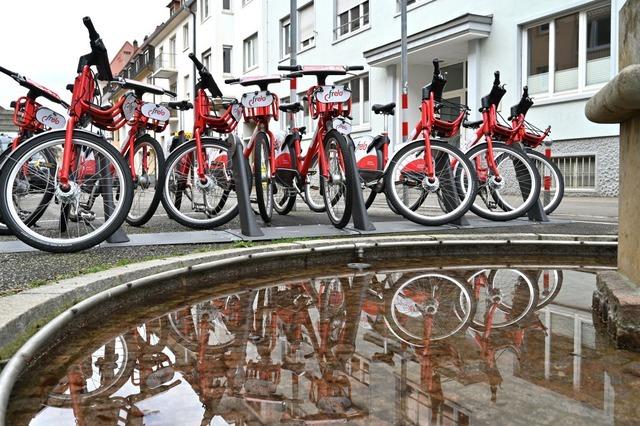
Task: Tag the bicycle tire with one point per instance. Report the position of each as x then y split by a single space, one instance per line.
339 220
157 192
262 177
22 230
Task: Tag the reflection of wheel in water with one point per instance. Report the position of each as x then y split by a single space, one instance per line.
549 285
105 371
428 296
503 297
209 317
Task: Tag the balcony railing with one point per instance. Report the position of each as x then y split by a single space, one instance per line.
165 61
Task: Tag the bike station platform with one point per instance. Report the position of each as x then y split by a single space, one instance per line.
233 235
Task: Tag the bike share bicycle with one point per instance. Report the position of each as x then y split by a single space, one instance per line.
508 182
424 166
260 107
201 170
69 226
552 184
143 152
331 148
32 118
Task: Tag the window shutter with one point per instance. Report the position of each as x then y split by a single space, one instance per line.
344 5
307 23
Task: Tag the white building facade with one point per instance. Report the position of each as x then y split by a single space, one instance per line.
564 51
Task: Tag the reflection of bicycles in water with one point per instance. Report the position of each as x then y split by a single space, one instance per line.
92 383
441 303
215 318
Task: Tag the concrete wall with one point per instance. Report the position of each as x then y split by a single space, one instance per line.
629 208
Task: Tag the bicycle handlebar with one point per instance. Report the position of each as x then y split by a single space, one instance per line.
436 66
93 34
293 75
199 65
9 72
289 67
232 80
181 105
496 78
170 93
354 68
525 92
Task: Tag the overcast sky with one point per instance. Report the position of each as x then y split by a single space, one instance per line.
43 39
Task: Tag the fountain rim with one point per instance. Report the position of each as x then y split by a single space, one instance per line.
38 341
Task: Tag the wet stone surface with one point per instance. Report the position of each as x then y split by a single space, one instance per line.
411 342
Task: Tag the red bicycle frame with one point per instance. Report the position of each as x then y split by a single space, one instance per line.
225 123
109 119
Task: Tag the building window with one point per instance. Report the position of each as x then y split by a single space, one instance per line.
579 171
187 87
204 9
307 25
351 16
172 52
226 4
360 105
569 53
185 36
285 38
173 87
250 46
206 59
226 59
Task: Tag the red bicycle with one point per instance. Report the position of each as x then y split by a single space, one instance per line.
330 149
260 107
32 118
201 170
418 180
142 151
82 160
552 181
508 182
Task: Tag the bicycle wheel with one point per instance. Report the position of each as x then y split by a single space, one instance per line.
31 216
337 189
516 188
284 198
208 204
147 192
313 188
73 222
428 307
410 190
503 297
551 178
549 285
262 176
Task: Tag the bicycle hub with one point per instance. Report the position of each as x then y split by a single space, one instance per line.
69 194
430 184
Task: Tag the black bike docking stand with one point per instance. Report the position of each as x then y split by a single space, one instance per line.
248 224
536 212
106 190
450 197
359 213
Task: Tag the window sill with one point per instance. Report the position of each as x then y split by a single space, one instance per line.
227 12
558 98
352 33
414 6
